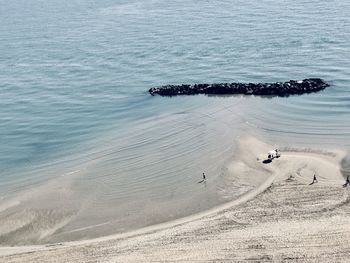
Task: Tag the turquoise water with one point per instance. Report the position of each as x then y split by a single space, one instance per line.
74 77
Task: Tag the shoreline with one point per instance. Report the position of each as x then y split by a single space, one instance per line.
278 174
10 250
172 223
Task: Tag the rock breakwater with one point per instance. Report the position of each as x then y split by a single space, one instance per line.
282 89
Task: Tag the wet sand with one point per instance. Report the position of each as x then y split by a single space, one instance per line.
285 219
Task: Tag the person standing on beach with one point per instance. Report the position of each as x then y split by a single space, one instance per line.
347 181
315 179
203 177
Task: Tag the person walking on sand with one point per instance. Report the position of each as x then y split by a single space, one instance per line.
314 180
347 181
203 177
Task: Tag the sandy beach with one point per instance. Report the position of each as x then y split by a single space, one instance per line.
285 219
138 131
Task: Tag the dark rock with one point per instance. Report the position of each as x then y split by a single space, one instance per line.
280 89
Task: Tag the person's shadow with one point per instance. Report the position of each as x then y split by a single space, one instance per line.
267 161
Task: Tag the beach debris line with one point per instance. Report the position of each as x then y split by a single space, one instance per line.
281 89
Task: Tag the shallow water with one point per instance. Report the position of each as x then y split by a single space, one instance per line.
79 128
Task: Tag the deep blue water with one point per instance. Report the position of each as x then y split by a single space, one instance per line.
74 77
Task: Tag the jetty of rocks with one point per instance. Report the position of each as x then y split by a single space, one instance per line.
281 89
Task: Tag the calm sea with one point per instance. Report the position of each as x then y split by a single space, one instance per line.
80 133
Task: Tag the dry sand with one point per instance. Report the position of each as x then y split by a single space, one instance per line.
283 220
